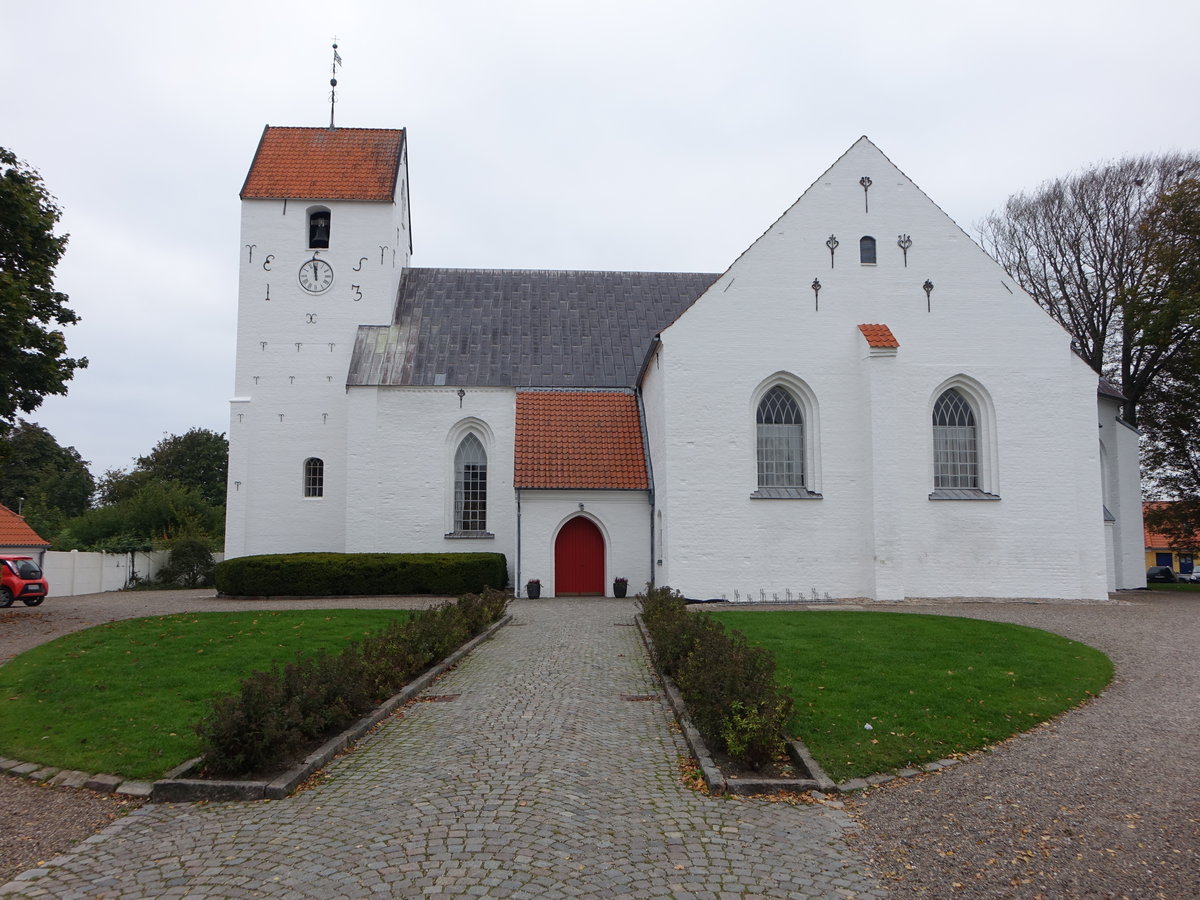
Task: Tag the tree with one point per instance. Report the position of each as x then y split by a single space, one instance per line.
1077 245
198 460
1171 449
33 360
47 482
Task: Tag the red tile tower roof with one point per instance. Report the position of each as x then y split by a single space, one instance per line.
326 164
14 532
879 336
579 439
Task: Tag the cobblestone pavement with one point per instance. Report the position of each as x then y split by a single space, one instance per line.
538 780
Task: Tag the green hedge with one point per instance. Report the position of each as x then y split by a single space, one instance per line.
728 685
279 715
361 574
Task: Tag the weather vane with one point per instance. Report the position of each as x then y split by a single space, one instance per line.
337 61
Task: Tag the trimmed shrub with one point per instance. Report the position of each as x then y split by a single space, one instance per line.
728 685
361 574
277 716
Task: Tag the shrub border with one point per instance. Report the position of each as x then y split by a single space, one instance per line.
716 780
176 788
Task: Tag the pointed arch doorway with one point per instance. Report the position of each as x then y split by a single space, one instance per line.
579 559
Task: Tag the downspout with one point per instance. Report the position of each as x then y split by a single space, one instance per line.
517 581
649 478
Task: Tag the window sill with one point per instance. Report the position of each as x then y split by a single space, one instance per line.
962 494
781 493
469 535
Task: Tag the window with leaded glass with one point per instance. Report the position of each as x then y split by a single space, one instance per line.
955 442
780 441
314 477
470 486
866 250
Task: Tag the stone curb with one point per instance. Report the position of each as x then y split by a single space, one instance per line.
717 781
183 790
174 788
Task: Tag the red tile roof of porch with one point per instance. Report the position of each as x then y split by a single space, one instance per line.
579 439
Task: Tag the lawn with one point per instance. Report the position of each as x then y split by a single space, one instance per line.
928 686
123 697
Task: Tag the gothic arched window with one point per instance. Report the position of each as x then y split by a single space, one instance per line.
780 428
470 485
955 442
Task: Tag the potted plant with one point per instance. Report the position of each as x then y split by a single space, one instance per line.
620 585
533 588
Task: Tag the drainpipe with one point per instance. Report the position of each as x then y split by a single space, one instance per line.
649 479
517 582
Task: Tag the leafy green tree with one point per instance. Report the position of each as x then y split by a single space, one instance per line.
1171 413
33 360
1077 245
153 516
198 460
47 482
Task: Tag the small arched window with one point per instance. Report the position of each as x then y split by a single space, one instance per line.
780 440
955 442
314 477
318 229
470 485
866 250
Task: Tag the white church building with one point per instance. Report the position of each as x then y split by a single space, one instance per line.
862 405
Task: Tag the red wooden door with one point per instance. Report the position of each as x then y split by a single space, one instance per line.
579 558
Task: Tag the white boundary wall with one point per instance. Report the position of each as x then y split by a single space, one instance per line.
74 572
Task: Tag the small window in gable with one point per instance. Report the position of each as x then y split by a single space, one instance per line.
866 250
318 229
314 477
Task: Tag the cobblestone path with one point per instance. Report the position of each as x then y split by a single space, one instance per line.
538 781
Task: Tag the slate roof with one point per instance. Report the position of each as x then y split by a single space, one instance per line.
326 164
522 328
579 439
14 532
879 336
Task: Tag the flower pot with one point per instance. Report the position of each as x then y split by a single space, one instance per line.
619 588
533 591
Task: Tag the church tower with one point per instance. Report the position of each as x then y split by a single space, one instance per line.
325 237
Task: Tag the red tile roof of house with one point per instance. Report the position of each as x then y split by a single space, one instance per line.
879 335
579 439
326 164
14 532
1156 540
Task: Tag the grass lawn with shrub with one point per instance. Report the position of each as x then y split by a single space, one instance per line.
124 697
929 686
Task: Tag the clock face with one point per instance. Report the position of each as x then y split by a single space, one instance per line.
316 276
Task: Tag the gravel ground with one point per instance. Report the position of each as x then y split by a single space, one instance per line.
1102 802
37 823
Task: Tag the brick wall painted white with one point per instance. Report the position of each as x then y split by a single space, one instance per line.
876 533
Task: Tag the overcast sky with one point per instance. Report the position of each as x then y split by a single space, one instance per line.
624 134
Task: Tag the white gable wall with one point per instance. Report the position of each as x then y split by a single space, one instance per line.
875 533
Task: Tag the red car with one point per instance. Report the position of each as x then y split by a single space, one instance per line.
21 579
